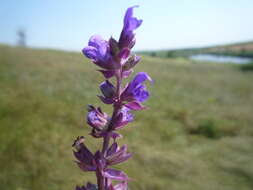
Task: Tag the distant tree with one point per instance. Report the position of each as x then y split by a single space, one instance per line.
21 37
153 54
170 54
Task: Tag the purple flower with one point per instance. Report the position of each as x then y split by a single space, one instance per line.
135 90
123 118
96 118
127 37
108 91
98 50
116 154
85 158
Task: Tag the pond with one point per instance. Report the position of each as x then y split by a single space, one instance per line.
221 58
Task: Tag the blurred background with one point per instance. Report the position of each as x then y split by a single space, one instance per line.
198 131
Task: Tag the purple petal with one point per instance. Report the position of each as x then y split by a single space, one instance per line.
115 174
135 106
130 22
142 95
99 43
106 100
127 116
90 52
121 186
120 159
97 119
113 148
98 51
135 90
84 155
107 73
123 118
126 74
85 167
141 77
118 155
107 89
127 36
124 53
120 125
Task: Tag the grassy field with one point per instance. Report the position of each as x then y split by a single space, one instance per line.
243 49
197 134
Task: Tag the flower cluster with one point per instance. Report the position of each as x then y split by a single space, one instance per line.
115 59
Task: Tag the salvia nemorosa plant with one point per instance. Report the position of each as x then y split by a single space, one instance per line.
115 59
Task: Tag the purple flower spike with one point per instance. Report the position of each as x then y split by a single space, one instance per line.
127 37
115 59
135 90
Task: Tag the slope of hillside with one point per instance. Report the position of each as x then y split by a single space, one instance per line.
244 49
196 135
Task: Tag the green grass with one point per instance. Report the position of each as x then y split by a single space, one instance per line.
196 135
247 67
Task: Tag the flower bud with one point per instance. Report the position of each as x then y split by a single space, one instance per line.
96 118
107 89
123 118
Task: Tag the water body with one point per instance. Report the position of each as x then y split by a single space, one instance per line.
220 58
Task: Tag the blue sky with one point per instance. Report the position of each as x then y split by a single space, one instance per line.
66 24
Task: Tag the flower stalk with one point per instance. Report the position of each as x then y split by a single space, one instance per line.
115 60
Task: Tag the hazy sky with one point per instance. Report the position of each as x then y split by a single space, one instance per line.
68 24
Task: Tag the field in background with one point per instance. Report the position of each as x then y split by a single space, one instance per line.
197 134
244 49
